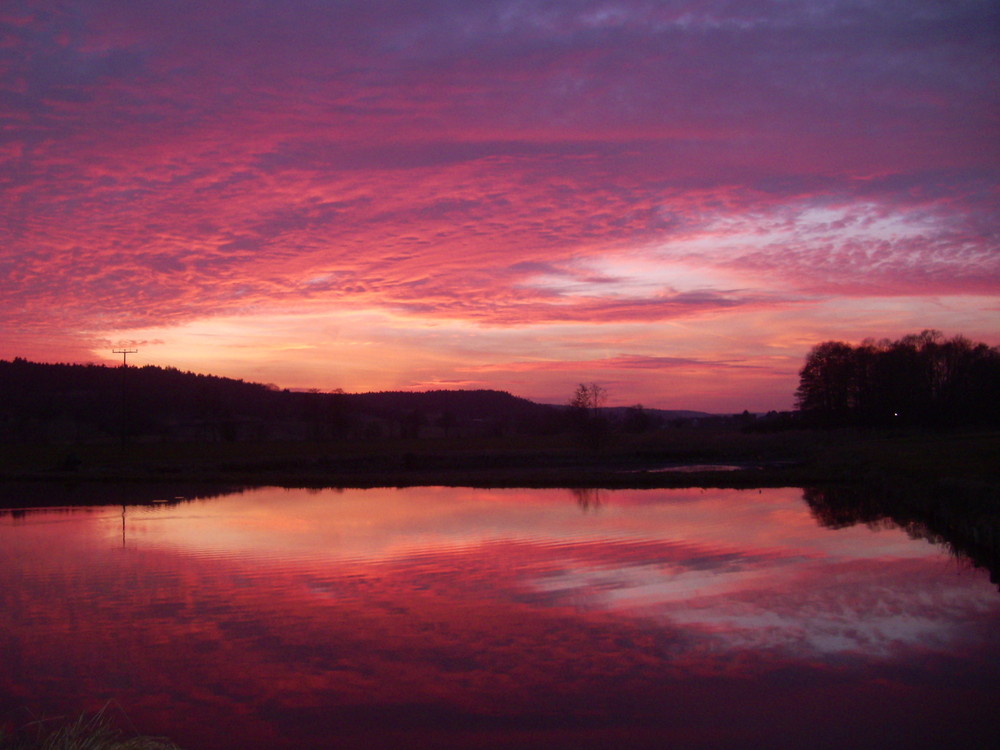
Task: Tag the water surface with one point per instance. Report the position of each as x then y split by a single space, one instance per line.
507 618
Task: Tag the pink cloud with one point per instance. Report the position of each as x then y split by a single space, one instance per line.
448 161
622 361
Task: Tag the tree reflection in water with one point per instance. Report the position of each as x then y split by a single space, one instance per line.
961 517
588 498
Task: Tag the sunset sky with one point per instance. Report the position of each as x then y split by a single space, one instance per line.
673 199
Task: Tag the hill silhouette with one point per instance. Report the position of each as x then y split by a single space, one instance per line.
57 402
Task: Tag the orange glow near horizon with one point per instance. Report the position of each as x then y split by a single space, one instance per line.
498 195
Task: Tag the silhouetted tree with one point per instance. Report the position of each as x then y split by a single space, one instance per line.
921 379
586 403
589 397
828 381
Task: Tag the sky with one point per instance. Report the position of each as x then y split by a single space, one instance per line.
675 200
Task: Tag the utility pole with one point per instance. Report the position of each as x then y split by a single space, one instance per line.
124 353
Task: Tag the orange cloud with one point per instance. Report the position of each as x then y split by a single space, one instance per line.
500 165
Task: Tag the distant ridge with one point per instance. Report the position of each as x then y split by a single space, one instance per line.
668 414
93 402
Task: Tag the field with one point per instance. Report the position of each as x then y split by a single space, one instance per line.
668 458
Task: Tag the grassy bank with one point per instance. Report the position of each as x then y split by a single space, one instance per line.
671 458
87 732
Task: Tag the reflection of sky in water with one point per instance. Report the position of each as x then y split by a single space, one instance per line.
745 569
471 603
825 607
379 524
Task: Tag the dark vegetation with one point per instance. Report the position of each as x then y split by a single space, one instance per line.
890 407
90 403
923 411
96 731
918 381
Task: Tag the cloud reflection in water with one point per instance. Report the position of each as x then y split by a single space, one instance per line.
496 618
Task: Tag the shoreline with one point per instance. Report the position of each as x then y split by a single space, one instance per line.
943 486
664 460
78 489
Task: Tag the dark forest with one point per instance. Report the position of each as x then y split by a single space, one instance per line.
921 380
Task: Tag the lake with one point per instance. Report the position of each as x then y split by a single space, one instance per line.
445 617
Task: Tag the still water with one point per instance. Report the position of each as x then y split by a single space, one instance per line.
443 617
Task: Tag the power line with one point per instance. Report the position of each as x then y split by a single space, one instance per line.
124 353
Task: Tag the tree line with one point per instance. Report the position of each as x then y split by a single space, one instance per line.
66 402
88 402
93 403
920 380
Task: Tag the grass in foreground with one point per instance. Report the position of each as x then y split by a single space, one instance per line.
88 732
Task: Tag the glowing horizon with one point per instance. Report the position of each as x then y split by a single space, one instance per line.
676 200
